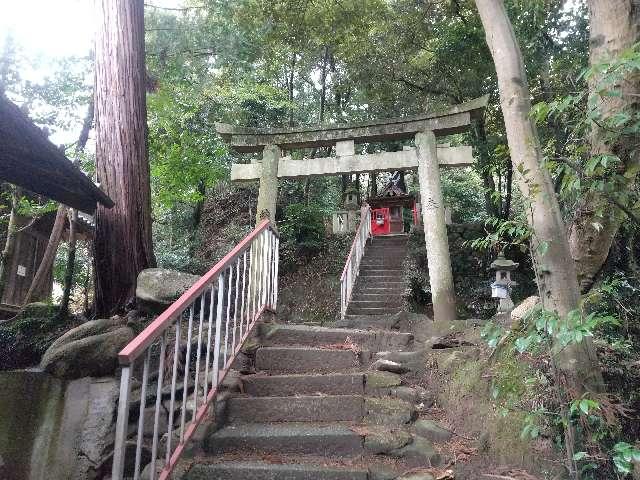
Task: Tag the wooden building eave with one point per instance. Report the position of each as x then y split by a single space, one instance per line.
28 159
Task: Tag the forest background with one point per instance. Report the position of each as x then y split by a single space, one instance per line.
301 62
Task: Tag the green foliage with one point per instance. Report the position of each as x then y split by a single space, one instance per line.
462 191
623 456
186 156
578 170
24 340
302 229
503 233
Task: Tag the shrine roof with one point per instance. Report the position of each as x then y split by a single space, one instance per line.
29 159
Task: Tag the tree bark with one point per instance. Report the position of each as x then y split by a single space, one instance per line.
480 139
43 273
10 242
122 246
555 270
373 180
71 260
614 27
323 83
290 80
73 214
508 192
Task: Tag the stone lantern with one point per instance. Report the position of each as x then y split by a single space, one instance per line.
501 287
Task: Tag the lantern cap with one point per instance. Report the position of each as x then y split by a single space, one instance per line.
502 263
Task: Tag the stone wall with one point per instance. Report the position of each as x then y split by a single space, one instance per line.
50 428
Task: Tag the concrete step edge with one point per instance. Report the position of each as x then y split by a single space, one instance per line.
259 469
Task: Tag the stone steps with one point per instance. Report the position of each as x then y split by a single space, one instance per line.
310 412
372 269
301 384
300 335
361 290
393 264
261 470
367 277
355 310
305 360
287 438
312 408
379 283
392 302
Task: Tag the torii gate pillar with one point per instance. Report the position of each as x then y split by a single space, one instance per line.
268 192
435 228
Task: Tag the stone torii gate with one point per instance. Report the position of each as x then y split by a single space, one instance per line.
427 157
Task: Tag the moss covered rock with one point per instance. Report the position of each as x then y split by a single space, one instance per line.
90 350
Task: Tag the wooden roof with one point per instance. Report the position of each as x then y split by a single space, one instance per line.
455 119
28 159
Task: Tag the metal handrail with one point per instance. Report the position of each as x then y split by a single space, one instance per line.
236 292
352 264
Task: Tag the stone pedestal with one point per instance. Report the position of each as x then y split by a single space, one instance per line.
344 221
435 228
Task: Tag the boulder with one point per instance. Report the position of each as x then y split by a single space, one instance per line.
378 473
381 379
389 366
524 308
388 411
146 472
157 288
431 431
408 394
38 310
417 476
384 440
419 453
90 350
401 362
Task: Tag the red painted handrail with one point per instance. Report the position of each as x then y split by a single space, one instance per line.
363 214
153 331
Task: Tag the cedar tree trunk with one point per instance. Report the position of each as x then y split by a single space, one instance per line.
122 246
614 27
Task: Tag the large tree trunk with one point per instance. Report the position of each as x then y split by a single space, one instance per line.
10 242
555 270
614 27
123 245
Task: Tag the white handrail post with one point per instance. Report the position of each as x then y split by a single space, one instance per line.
216 344
122 424
275 275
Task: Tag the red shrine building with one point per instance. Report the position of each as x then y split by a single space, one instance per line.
393 211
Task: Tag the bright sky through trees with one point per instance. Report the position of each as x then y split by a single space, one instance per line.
46 31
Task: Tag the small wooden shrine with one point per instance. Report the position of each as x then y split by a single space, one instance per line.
390 208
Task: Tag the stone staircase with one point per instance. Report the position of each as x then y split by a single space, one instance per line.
380 284
313 411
